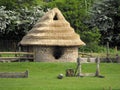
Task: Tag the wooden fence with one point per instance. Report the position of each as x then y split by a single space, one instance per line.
14 74
16 56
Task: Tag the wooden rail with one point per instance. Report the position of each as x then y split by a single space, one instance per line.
85 54
14 74
16 56
16 53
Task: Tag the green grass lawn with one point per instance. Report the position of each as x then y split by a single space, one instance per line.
43 76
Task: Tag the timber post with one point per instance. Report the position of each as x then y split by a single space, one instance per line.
97 67
78 68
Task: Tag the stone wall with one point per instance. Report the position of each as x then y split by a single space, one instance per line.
55 54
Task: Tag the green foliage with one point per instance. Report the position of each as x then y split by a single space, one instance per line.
106 16
92 48
6 17
91 37
16 4
15 24
100 50
43 76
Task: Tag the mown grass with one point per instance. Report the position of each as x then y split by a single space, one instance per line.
43 76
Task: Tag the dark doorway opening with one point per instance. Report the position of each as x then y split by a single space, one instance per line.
57 52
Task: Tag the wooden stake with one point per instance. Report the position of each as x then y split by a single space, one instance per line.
97 67
78 68
116 51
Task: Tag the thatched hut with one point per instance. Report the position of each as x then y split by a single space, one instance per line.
53 39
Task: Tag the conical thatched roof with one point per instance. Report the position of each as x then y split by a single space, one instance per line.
52 30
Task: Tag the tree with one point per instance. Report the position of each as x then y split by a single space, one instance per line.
106 16
14 25
16 4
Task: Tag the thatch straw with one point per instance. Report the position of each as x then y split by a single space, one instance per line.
52 30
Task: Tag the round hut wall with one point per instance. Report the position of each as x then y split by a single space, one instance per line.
55 54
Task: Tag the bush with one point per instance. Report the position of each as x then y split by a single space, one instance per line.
92 48
15 24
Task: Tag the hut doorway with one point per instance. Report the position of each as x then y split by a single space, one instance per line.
58 52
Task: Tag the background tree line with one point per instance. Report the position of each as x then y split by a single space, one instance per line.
96 22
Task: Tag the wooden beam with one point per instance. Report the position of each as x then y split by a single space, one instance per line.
16 53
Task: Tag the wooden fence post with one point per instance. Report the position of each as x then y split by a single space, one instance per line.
78 68
97 67
26 73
